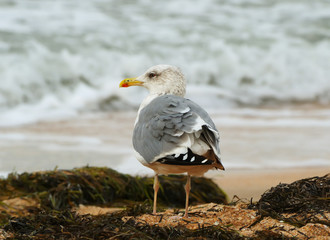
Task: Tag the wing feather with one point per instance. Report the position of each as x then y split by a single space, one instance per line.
166 125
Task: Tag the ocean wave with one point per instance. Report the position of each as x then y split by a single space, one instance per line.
62 58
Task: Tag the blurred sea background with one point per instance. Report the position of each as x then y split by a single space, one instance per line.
260 67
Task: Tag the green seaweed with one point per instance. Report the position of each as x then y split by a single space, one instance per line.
62 189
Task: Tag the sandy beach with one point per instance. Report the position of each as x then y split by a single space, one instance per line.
257 155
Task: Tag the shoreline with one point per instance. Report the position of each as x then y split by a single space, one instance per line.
256 156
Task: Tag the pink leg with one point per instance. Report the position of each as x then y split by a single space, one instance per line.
156 187
187 188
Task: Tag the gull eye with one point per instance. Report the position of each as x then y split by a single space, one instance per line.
151 75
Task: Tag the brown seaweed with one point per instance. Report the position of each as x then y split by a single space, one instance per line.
65 225
303 199
310 194
300 203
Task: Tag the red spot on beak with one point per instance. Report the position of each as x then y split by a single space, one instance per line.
125 85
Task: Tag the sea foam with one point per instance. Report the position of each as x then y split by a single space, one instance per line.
61 58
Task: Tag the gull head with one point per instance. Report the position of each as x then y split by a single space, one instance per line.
160 80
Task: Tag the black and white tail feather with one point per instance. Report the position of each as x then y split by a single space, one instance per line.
185 159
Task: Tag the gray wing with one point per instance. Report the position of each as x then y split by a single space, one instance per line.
163 122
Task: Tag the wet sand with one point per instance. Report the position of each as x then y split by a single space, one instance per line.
257 154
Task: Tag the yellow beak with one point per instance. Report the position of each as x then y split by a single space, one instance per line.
130 82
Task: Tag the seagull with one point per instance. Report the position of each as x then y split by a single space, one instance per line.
172 134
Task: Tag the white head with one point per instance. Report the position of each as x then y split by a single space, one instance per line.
160 80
